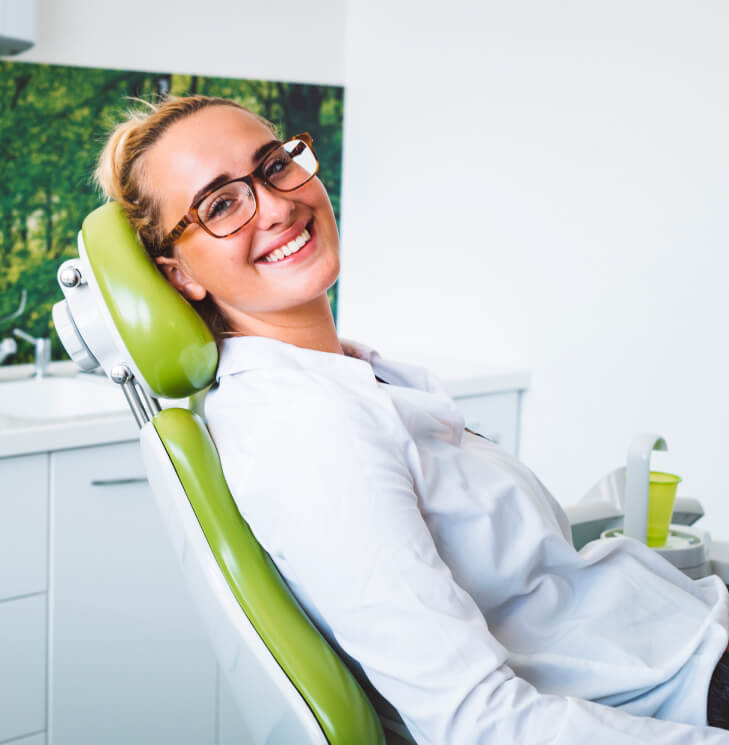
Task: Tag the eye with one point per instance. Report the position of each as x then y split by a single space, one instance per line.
276 165
219 207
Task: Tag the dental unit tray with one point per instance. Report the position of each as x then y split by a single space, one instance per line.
618 505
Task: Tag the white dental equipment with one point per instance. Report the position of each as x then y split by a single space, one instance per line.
618 505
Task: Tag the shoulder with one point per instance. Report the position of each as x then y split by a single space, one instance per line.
264 398
306 401
302 409
297 448
284 431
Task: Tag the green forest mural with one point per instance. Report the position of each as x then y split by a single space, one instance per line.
53 122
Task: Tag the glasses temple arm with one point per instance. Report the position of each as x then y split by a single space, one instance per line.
177 231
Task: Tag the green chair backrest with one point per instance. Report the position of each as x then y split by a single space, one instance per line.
165 338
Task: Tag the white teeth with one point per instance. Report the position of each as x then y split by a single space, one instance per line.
291 247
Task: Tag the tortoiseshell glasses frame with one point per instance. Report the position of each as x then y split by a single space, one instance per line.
302 140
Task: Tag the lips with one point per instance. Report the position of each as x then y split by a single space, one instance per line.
293 241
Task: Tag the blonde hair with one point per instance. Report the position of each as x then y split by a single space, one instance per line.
120 175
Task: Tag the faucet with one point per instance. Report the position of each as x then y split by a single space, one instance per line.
7 347
42 349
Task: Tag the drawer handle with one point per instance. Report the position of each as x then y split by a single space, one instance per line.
117 482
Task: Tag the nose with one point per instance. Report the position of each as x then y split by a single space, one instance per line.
275 208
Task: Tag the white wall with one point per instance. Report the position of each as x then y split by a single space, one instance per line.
284 40
545 184
533 183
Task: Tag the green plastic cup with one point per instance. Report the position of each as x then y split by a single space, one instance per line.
661 495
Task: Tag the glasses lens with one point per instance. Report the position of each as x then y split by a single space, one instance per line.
227 208
291 165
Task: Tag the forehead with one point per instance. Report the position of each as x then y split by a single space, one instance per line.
196 149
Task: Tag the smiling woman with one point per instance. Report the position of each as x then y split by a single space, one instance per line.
256 247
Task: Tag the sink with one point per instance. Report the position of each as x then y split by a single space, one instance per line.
60 397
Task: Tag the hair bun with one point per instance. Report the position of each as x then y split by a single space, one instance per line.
113 167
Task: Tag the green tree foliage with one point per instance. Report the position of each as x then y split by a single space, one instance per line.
53 123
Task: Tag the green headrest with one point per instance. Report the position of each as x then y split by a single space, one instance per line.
166 339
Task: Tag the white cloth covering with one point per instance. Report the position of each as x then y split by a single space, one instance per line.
446 569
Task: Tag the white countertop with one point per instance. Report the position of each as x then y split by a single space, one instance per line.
14 372
20 435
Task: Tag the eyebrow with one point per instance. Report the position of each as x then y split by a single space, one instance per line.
223 178
219 180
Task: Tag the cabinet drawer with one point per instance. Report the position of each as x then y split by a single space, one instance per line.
494 415
23 525
22 666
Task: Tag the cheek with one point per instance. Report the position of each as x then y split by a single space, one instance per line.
316 195
210 260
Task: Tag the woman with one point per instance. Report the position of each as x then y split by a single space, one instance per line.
433 559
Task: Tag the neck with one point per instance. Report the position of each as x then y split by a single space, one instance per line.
310 326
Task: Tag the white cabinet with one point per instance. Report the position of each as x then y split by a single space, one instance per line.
23 525
129 662
23 582
22 666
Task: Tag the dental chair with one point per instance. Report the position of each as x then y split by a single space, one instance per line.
121 314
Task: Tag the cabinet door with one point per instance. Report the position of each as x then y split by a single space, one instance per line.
23 525
22 666
129 662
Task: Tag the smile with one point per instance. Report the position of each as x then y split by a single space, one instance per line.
294 245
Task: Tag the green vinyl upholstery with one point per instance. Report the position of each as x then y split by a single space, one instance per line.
168 341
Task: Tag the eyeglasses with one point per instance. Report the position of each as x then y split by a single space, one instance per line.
228 208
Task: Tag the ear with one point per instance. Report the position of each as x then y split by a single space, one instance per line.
179 279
